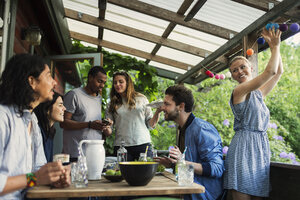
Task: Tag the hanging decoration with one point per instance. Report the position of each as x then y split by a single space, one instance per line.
211 74
294 27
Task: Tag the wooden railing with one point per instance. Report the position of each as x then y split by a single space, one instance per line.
285 181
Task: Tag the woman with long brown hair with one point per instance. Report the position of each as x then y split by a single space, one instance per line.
131 117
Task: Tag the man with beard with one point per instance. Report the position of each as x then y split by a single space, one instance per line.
82 118
203 142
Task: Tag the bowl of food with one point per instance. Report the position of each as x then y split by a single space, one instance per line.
113 175
138 173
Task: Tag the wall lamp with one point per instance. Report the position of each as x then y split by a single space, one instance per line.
33 36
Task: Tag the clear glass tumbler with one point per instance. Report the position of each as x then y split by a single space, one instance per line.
80 173
185 175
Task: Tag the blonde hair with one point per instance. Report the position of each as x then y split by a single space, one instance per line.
239 58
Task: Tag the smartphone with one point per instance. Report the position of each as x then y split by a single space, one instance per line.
105 122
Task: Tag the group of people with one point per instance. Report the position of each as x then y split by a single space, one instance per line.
27 87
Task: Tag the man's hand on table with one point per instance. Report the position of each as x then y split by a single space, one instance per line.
165 161
54 173
65 178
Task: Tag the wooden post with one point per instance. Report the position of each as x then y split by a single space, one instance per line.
249 41
101 59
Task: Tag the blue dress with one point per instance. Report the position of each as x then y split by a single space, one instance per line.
247 165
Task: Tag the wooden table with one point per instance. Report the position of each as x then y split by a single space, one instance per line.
162 184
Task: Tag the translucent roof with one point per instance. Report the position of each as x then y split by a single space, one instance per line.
135 28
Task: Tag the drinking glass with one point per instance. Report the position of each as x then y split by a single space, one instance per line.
80 173
143 157
185 175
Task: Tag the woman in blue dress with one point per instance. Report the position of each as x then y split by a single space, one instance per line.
248 160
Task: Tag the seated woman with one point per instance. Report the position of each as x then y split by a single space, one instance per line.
48 113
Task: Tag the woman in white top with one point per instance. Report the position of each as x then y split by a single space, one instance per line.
132 118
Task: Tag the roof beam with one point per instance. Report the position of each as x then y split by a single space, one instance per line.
167 15
129 50
183 8
194 10
256 25
261 4
138 34
102 9
266 5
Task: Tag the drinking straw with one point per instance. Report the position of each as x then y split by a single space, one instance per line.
146 151
184 151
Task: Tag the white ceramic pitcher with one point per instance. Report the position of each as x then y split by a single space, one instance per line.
95 157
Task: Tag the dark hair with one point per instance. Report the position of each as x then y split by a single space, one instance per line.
43 112
95 70
131 94
181 94
14 85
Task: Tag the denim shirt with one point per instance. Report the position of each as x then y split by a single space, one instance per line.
20 153
204 146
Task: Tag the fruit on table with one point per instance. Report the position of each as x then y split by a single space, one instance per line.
118 173
160 168
110 172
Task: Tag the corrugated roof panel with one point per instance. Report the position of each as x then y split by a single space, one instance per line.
179 56
83 28
129 41
88 6
228 14
167 67
135 20
172 5
196 38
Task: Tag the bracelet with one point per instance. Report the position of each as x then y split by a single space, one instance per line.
89 124
31 179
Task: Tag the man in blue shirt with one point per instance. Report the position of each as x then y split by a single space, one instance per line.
25 82
203 142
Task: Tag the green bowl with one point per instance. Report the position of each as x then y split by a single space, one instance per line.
138 173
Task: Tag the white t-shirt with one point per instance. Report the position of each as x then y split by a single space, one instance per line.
84 108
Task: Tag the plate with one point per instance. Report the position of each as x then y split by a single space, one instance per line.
113 178
155 104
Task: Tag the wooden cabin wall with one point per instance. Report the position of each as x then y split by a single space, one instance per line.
28 15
